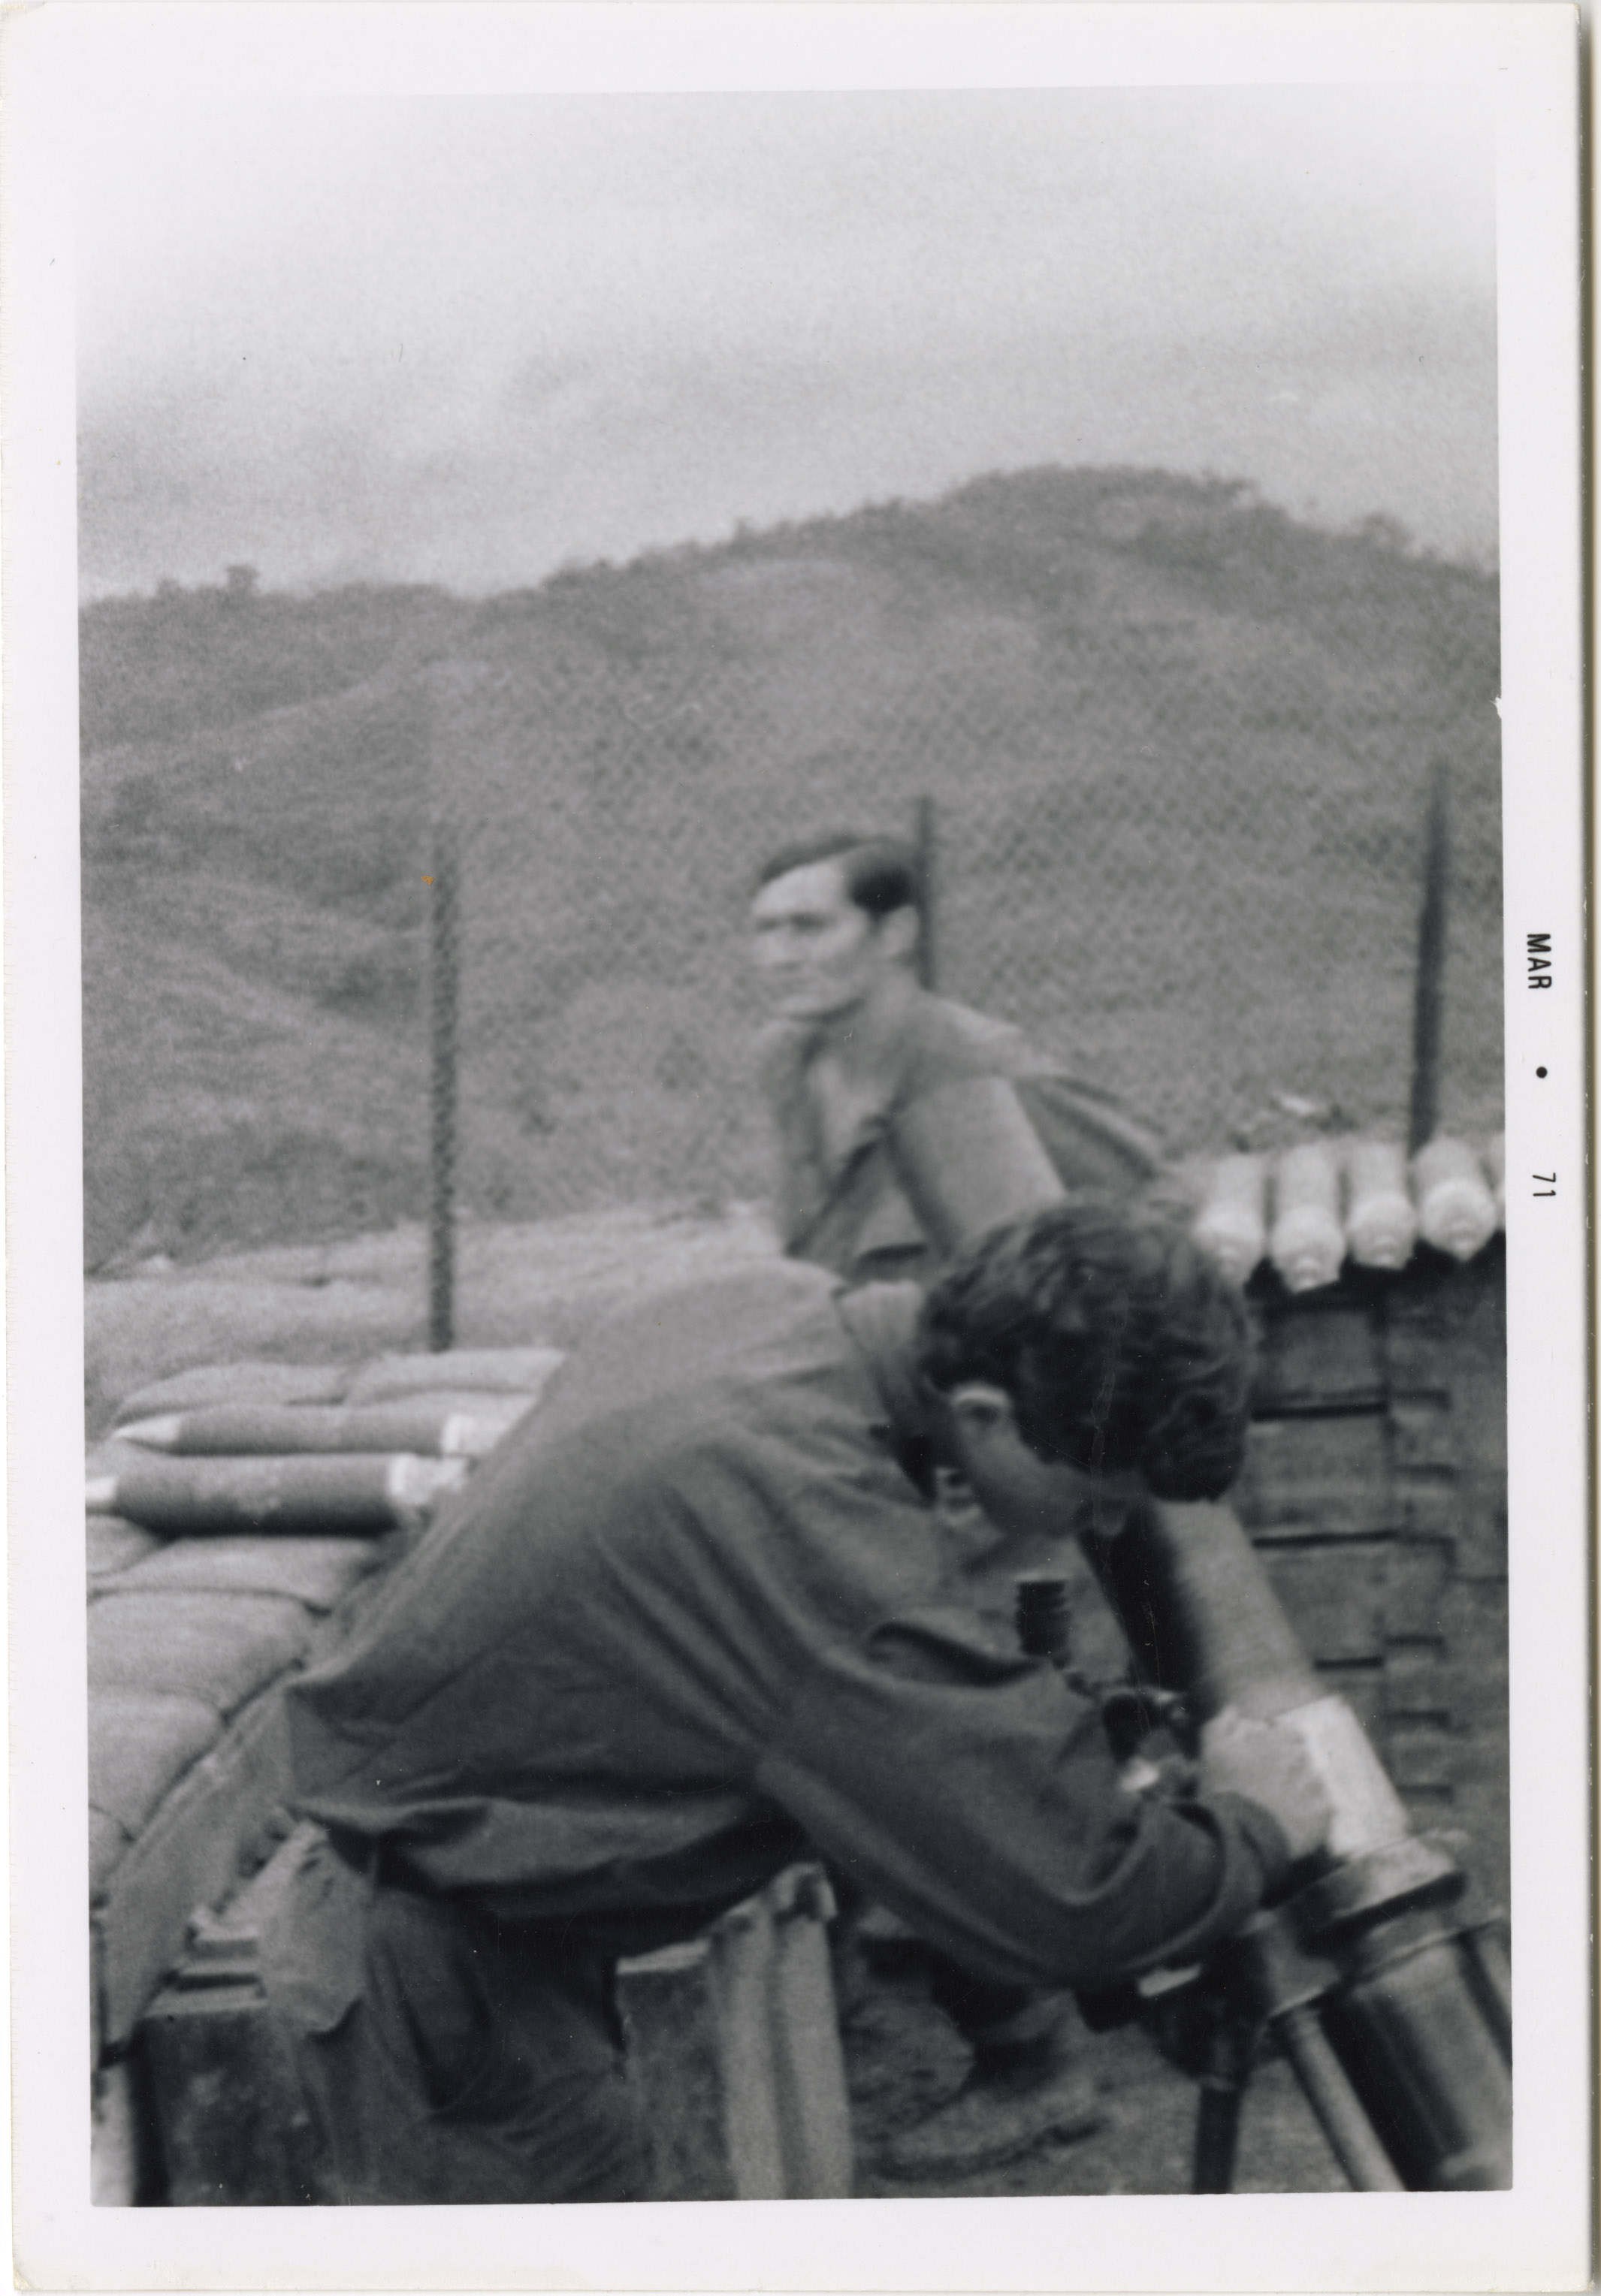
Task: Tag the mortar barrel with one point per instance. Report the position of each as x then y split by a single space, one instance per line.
1198 1613
1409 2021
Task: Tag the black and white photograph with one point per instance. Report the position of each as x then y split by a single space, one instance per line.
812 937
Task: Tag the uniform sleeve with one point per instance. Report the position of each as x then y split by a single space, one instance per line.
1092 1141
983 1129
975 1795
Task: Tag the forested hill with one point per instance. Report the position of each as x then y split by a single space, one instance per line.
1049 653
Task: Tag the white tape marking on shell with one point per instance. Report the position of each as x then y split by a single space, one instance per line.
1368 1811
414 1482
455 1435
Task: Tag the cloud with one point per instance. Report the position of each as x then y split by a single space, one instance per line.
468 338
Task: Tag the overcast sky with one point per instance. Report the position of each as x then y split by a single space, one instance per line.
468 338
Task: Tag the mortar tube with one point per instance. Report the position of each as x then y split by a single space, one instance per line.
1201 1617
1417 2055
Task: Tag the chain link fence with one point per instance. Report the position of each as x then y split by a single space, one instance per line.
1180 817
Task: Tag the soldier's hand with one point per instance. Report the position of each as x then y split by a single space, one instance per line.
1269 1764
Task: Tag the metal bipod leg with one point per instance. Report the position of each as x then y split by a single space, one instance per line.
1352 2138
1266 1978
1229 2051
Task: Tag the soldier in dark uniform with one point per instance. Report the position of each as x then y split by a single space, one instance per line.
693 1617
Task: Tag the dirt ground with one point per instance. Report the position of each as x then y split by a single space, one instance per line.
545 1283
903 2059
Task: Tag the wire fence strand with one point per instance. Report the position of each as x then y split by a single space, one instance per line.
1189 862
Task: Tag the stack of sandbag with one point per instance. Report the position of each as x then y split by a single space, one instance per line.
232 1510
1309 1209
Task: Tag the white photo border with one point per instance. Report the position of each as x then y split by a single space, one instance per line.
1537 2236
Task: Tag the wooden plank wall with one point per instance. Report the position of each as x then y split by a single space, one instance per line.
1375 1491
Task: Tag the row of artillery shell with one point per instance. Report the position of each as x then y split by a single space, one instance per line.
250 1499
1309 1209
284 1450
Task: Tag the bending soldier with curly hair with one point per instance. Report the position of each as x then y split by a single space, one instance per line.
696 1616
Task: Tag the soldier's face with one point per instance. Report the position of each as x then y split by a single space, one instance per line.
817 954
1036 1505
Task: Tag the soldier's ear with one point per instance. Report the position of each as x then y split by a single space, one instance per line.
898 933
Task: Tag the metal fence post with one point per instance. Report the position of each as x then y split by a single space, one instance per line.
923 841
1427 1009
443 998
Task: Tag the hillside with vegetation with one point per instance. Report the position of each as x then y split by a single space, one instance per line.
1176 742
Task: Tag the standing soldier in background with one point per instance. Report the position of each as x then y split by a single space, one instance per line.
859 1065
860 1062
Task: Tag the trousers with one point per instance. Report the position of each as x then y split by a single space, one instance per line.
445 2056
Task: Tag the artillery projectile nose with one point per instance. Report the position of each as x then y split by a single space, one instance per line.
1307 1244
1232 1224
1381 1224
1456 1210
164 1433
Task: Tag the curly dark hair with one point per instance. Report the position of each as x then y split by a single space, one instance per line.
1119 1343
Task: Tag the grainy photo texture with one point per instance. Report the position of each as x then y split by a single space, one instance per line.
793 1195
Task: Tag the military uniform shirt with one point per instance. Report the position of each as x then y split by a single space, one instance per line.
691 1619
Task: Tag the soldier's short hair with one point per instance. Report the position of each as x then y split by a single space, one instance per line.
880 874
